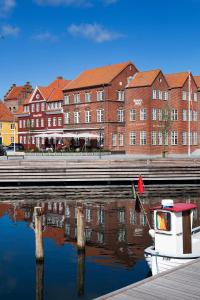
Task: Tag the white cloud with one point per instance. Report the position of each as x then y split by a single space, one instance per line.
94 32
45 36
9 30
6 6
73 2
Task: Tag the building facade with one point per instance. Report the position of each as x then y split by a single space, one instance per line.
16 96
42 113
157 115
94 102
8 126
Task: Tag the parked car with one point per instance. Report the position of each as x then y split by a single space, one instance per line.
18 147
2 150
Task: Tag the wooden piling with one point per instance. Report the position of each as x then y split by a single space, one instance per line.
39 283
81 273
39 250
80 230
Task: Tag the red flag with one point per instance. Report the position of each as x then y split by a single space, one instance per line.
140 185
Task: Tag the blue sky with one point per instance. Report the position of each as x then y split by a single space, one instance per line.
41 39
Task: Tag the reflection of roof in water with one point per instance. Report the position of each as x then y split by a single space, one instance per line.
57 234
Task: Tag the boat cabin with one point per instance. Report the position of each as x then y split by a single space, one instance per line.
173 227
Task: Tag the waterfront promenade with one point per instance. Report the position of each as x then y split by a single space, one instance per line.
179 283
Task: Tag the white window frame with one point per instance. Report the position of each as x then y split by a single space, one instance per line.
100 115
121 95
67 118
154 138
88 97
132 115
49 122
87 116
143 138
160 138
120 115
195 116
100 95
114 139
132 138
143 114
174 138
154 94
66 99
195 138
184 115
76 117
76 98
153 114
121 139
184 95
184 138
54 121
174 115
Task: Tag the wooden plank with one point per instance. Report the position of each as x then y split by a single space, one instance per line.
178 283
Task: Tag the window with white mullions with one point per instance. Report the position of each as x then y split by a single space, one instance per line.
174 138
143 114
143 138
132 115
120 115
132 138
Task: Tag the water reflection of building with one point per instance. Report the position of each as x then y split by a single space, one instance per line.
113 227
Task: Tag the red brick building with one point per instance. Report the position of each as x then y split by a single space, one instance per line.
16 96
157 117
94 102
42 112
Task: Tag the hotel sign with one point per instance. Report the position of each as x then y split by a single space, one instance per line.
137 102
37 116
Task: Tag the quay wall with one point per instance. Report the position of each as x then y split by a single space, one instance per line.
77 171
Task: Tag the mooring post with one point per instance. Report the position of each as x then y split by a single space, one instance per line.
39 251
80 230
81 273
39 282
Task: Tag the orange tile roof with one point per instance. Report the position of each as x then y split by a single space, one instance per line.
5 113
197 80
59 82
176 80
145 78
97 76
14 93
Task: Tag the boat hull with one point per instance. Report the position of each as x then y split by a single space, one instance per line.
158 263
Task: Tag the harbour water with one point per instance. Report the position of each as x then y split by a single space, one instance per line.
116 237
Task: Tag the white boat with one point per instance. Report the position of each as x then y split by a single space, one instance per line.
175 242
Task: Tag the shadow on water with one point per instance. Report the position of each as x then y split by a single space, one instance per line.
48 252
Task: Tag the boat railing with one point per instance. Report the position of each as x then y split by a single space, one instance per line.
196 230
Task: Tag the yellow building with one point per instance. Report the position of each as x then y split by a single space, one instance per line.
8 126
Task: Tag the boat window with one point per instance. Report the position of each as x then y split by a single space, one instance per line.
163 221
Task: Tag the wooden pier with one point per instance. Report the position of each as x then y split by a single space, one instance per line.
179 283
109 171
